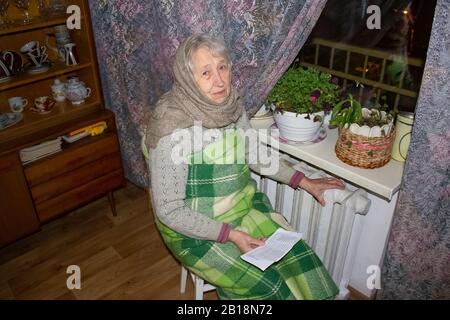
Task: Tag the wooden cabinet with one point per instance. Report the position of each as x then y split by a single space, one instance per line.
85 170
35 193
17 217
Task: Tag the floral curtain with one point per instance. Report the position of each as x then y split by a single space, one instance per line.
136 41
417 264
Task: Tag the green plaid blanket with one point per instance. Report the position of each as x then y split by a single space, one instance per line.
219 185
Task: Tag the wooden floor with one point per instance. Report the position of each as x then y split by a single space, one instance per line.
119 257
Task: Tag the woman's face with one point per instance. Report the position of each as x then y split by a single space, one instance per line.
212 74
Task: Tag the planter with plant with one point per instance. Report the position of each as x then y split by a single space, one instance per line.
301 99
365 135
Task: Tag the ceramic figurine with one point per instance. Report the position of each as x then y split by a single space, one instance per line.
58 89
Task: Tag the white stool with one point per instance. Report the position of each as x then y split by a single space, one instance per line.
199 284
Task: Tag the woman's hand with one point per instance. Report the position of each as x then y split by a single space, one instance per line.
244 241
317 187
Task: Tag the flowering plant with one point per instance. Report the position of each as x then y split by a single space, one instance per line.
305 90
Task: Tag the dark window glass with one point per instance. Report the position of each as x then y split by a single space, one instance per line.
388 61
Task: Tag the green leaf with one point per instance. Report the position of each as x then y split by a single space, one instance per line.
293 90
337 108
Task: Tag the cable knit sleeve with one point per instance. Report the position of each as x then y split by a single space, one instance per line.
168 187
286 173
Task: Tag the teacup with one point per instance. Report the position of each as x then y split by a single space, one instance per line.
62 37
71 56
44 104
10 63
35 53
17 104
32 47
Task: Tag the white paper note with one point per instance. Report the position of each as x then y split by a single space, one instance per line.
275 248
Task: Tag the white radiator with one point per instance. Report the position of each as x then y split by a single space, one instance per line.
332 231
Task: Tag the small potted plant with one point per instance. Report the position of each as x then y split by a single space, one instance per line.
301 99
365 135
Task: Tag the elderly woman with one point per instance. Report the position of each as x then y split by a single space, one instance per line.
208 209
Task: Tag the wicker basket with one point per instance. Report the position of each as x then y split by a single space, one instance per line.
364 152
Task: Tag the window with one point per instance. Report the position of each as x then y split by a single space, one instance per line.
373 64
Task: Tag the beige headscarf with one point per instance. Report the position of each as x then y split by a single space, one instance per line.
184 104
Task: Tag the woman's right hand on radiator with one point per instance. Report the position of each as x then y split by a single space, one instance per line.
317 187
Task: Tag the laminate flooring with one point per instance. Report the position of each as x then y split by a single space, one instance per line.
119 257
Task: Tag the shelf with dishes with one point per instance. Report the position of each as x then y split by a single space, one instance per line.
56 69
49 101
32 124
43 48
40 53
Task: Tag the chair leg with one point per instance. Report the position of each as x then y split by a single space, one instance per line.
112 203
199 288
183 279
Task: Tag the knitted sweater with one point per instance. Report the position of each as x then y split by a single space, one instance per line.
168 184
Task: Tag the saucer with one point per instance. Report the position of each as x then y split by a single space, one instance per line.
35 110
321 135
265 116
9 119
4 79
35 70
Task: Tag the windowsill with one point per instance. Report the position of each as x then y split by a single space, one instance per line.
383 182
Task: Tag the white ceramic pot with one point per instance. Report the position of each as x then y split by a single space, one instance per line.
326 119
296 127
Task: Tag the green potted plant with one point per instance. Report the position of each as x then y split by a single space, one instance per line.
301 99
365 135
369 122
